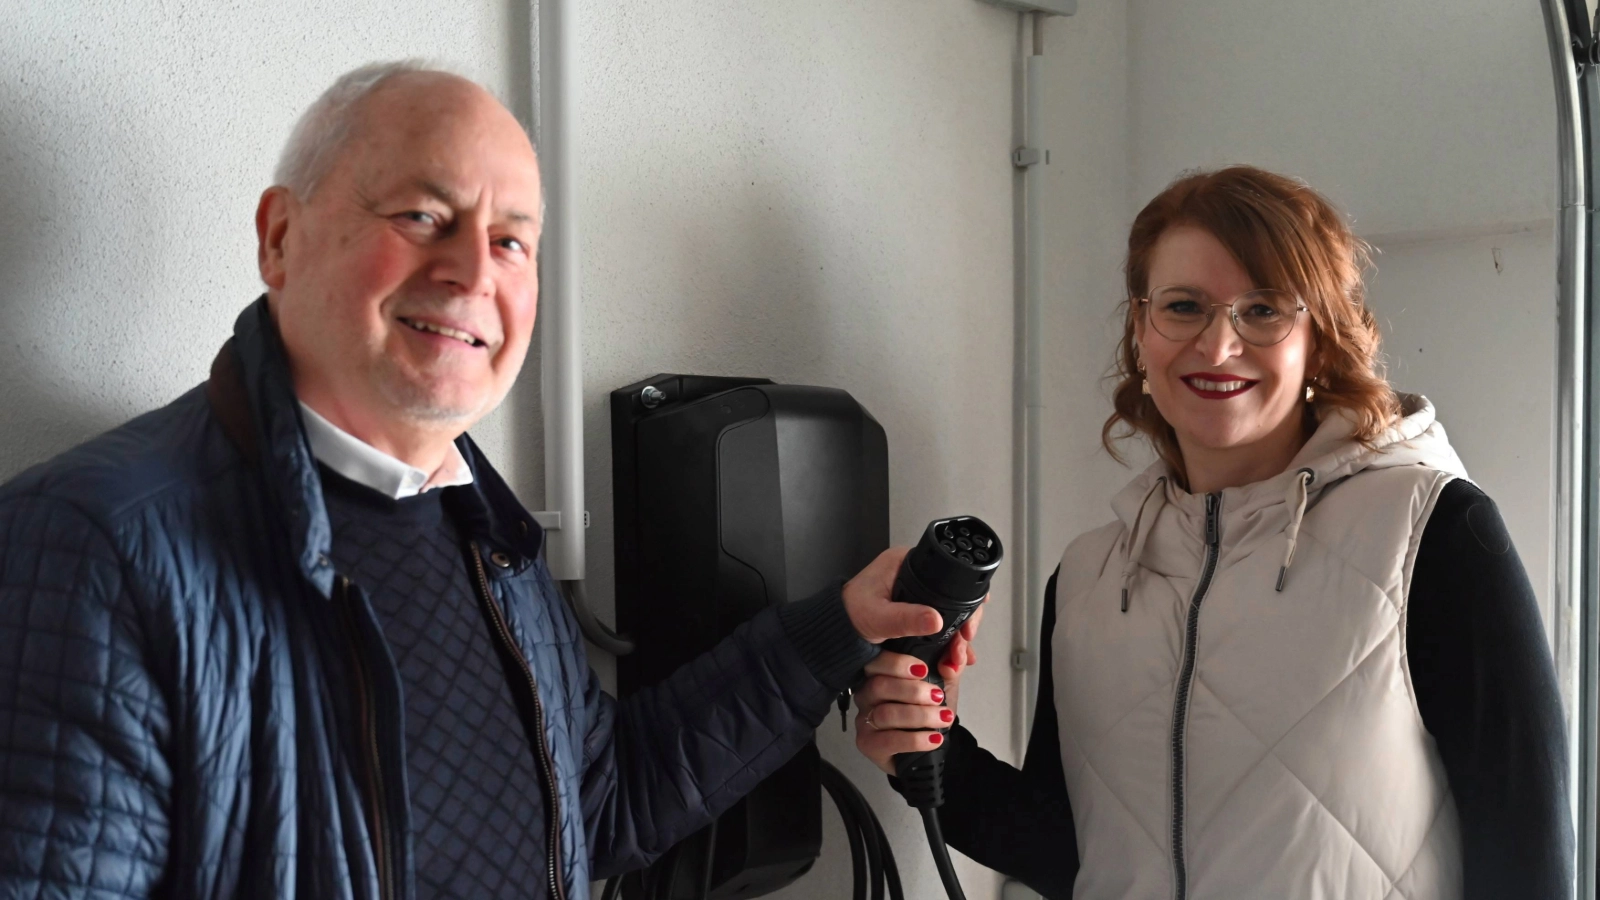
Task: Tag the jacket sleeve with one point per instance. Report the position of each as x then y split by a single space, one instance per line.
84 783
663 763
1486 689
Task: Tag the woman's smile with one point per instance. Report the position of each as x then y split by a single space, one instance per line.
1217 386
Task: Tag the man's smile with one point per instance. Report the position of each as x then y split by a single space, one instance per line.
427 327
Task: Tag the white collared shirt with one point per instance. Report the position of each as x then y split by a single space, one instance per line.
366 465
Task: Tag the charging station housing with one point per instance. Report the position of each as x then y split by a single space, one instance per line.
731 495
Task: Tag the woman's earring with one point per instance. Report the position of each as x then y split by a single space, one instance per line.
1311 393
1144 383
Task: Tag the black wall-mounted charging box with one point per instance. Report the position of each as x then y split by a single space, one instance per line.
731 495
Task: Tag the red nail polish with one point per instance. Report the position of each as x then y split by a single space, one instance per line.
936 738
918 670
947 715
938 695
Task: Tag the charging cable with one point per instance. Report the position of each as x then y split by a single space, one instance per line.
949 570
873 870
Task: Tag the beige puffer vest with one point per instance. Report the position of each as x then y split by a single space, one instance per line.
1236 715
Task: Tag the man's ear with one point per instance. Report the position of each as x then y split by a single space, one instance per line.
277 204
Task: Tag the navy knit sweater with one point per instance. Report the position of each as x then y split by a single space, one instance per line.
476 807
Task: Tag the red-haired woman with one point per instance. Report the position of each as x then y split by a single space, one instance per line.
1304 660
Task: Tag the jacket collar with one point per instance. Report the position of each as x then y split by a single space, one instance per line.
252 395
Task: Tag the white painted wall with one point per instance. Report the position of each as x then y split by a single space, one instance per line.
1415 116
1471 324
817 192
1431 123
1085 221
134 141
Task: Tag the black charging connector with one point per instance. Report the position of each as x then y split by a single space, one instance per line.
949 570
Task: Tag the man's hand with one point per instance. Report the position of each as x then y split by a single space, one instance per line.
875 616
878 618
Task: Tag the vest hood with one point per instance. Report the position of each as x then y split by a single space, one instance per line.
1415 438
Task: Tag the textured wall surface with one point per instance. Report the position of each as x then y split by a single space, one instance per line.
1420 115
1432 124
819 193
815 192
1471 323
1084 222
134 142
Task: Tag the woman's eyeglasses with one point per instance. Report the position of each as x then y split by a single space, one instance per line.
1179 313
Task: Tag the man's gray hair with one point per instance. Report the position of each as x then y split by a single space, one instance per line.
323 128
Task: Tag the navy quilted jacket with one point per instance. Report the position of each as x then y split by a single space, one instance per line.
193 703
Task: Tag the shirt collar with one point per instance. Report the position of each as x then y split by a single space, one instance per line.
366 465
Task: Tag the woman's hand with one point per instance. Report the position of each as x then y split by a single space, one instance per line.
899 712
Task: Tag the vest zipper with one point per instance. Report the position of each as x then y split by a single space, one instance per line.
1180 707
381 849
547 768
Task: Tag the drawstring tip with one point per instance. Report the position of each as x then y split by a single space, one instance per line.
1283 573
1124 599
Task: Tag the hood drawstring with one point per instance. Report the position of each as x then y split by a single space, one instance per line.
1297 512
1142 525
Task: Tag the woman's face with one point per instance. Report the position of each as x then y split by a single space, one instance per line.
1223 397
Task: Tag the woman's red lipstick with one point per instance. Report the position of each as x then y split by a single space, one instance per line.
1217 385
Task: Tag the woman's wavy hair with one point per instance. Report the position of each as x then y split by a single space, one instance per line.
1289 238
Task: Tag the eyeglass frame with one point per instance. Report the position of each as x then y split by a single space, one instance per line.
1233 313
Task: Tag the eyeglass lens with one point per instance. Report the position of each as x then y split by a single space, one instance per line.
1263 317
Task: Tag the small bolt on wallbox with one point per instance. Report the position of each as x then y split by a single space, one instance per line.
949 570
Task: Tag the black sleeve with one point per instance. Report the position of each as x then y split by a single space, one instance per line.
1486 688
667 760
1018 823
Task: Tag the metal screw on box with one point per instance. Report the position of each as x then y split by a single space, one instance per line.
651 396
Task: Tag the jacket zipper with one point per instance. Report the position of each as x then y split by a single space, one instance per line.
1180 708
369 731
547 768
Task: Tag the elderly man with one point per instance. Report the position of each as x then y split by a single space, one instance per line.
292 636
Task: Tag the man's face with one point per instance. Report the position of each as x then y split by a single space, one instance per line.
406 286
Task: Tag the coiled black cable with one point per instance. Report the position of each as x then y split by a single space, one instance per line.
863 829
858 851
708 862
871 858
663 887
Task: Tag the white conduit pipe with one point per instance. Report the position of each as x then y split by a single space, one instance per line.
1028 581
1033 378
1027 440
561 336
1574 643
561 326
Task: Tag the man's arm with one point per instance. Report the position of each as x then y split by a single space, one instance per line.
84 783
663 763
